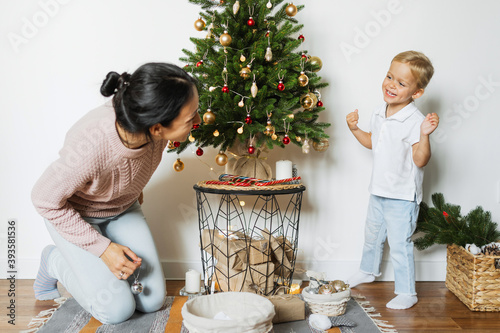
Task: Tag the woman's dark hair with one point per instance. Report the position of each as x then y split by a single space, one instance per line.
153 94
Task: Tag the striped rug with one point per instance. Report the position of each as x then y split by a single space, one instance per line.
69 317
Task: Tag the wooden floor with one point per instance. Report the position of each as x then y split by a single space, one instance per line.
438 310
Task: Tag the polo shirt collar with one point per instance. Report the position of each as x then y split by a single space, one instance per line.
401 115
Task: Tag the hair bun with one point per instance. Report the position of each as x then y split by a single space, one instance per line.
110 84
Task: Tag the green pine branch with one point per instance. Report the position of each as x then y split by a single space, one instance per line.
443 224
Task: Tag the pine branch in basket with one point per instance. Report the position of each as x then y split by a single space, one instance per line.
444 224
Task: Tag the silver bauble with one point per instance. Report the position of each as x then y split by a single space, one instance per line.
136 288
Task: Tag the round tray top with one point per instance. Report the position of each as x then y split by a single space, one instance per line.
250 190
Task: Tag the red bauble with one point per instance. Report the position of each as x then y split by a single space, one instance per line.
251 149
248 120
281 86
199 151
304 55
301 37
199 63
286 140
320 104
176 144
196 126
225 89
251 22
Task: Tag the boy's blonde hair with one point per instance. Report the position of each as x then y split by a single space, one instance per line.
420 66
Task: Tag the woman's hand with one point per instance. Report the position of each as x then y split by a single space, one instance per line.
115 257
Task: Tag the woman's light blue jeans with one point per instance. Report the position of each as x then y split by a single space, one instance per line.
90 281
395 220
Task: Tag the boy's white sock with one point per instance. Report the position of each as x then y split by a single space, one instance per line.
402 302
360 277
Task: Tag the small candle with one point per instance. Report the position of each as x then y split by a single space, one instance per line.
295 288
283 169
193 281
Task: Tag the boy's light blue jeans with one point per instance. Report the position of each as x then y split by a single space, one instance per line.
90 281
395 220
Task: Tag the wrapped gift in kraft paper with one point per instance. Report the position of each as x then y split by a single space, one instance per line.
230 250
287 308
253 278
258 251
280 253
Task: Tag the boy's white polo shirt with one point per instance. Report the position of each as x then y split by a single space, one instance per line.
394 173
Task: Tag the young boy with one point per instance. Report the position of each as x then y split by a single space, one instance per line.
399 139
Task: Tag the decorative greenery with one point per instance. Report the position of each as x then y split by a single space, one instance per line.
215 65
443 224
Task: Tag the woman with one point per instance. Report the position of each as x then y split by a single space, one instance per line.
89 197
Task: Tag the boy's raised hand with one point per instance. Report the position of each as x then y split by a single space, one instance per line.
429 124
352 120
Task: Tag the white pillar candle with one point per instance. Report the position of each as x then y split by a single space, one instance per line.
193 281
283 169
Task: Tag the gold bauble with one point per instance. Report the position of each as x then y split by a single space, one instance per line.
209 118
339 285
303 80
269 130
314 98
178 165
170 144
245 72
221 159
315 61
225 39
326 289
322 145
199 24
291 10
274 136
306 101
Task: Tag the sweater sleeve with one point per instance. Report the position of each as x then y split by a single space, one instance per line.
50 194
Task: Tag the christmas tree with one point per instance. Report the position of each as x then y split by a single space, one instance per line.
257 86
443 224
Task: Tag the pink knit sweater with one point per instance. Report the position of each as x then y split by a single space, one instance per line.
95 176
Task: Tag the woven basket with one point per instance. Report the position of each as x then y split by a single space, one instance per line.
328 305
474 279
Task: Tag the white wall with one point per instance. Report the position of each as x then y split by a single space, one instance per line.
52 78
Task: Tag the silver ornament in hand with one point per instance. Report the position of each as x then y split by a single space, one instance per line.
137 287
